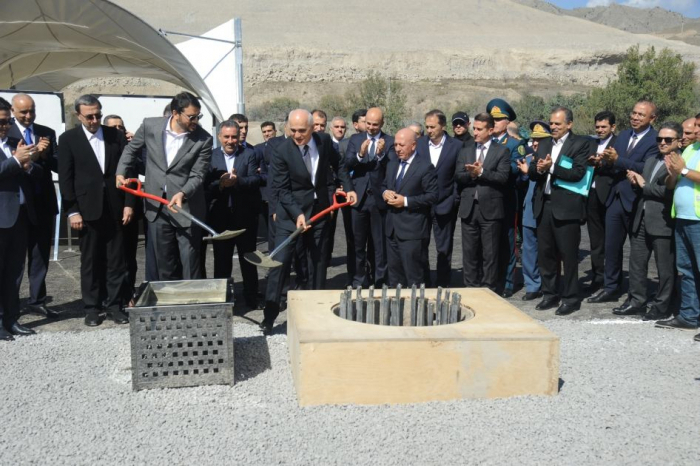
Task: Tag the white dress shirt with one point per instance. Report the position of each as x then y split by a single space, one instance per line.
602 145
5 147
408 165
436 150
172 142
556 151
376 138
97 142
230 159
311 161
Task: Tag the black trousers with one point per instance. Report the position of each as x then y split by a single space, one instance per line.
642 245
481 239
38 254
368 220
131 244
596 233
443 231
406 260
13 249
174 248
102 263
223 260
617 225
558 240
315 242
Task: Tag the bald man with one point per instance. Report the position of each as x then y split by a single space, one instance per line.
300 169
366 157
39 237
689 136
410 190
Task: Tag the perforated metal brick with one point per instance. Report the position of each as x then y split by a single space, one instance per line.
180 346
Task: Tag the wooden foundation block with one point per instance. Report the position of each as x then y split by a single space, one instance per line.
496 351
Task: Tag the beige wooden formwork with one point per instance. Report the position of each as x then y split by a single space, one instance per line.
500 352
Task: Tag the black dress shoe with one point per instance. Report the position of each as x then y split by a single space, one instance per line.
507 293
92 319
604 297
655 314
697 337
628 310
43 310
266 327
567 308
118 317
675 323
530 295
547 303
593 287
5 335
21 330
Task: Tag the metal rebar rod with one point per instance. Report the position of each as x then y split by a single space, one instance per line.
431 313
422 291
369 312
414 316
343 305
454 313
420 311
395 312
348 310
444 312
438 297
358 305
384 307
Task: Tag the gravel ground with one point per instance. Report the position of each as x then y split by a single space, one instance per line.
629 395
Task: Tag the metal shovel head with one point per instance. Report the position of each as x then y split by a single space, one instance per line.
224 235
259 259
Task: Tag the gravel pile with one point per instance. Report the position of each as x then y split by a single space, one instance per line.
630 394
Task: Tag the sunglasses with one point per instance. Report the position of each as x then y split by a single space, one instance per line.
7 122
96 116
194 117
666 140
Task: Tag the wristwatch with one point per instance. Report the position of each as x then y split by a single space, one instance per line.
685 171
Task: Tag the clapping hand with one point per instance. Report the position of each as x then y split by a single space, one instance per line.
674 163
635 178
543 165
523 166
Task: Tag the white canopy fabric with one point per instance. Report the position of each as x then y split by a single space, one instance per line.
46 45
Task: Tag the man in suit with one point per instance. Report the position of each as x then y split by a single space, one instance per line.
19 170
482 171
598 196
179 153
539 132
46 205
503 114
269 131
410 190
300 170
460 127
87 163
232 180
338 131
366 157
441 150
320 120
559 211
631 149
652 231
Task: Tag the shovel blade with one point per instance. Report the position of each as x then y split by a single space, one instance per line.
224 235
258 259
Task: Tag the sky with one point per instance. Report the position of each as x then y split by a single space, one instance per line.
690 8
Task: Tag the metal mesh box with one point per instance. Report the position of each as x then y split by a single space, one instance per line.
181 334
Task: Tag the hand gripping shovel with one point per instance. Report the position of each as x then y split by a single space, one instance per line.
258 259
228 234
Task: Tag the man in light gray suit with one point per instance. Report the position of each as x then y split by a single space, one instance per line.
652 231
179 153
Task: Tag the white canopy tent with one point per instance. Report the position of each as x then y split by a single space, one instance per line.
46 45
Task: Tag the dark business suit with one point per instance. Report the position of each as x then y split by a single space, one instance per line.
595 215
369 214
232 208
408 228
297 194
15 221
87 191
559 217
46 205
482 217
652 231
444 213
264 192
350 259
621 200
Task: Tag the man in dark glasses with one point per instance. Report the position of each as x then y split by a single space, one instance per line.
179 153
652 231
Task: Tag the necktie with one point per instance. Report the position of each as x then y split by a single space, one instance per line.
372 150
307 161
28 136
401 173
632 144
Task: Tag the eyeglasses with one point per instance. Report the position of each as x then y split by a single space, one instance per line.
194 117
96 116
458 123
659 140
7 122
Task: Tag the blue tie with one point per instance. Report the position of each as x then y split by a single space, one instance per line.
28 136
401 173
